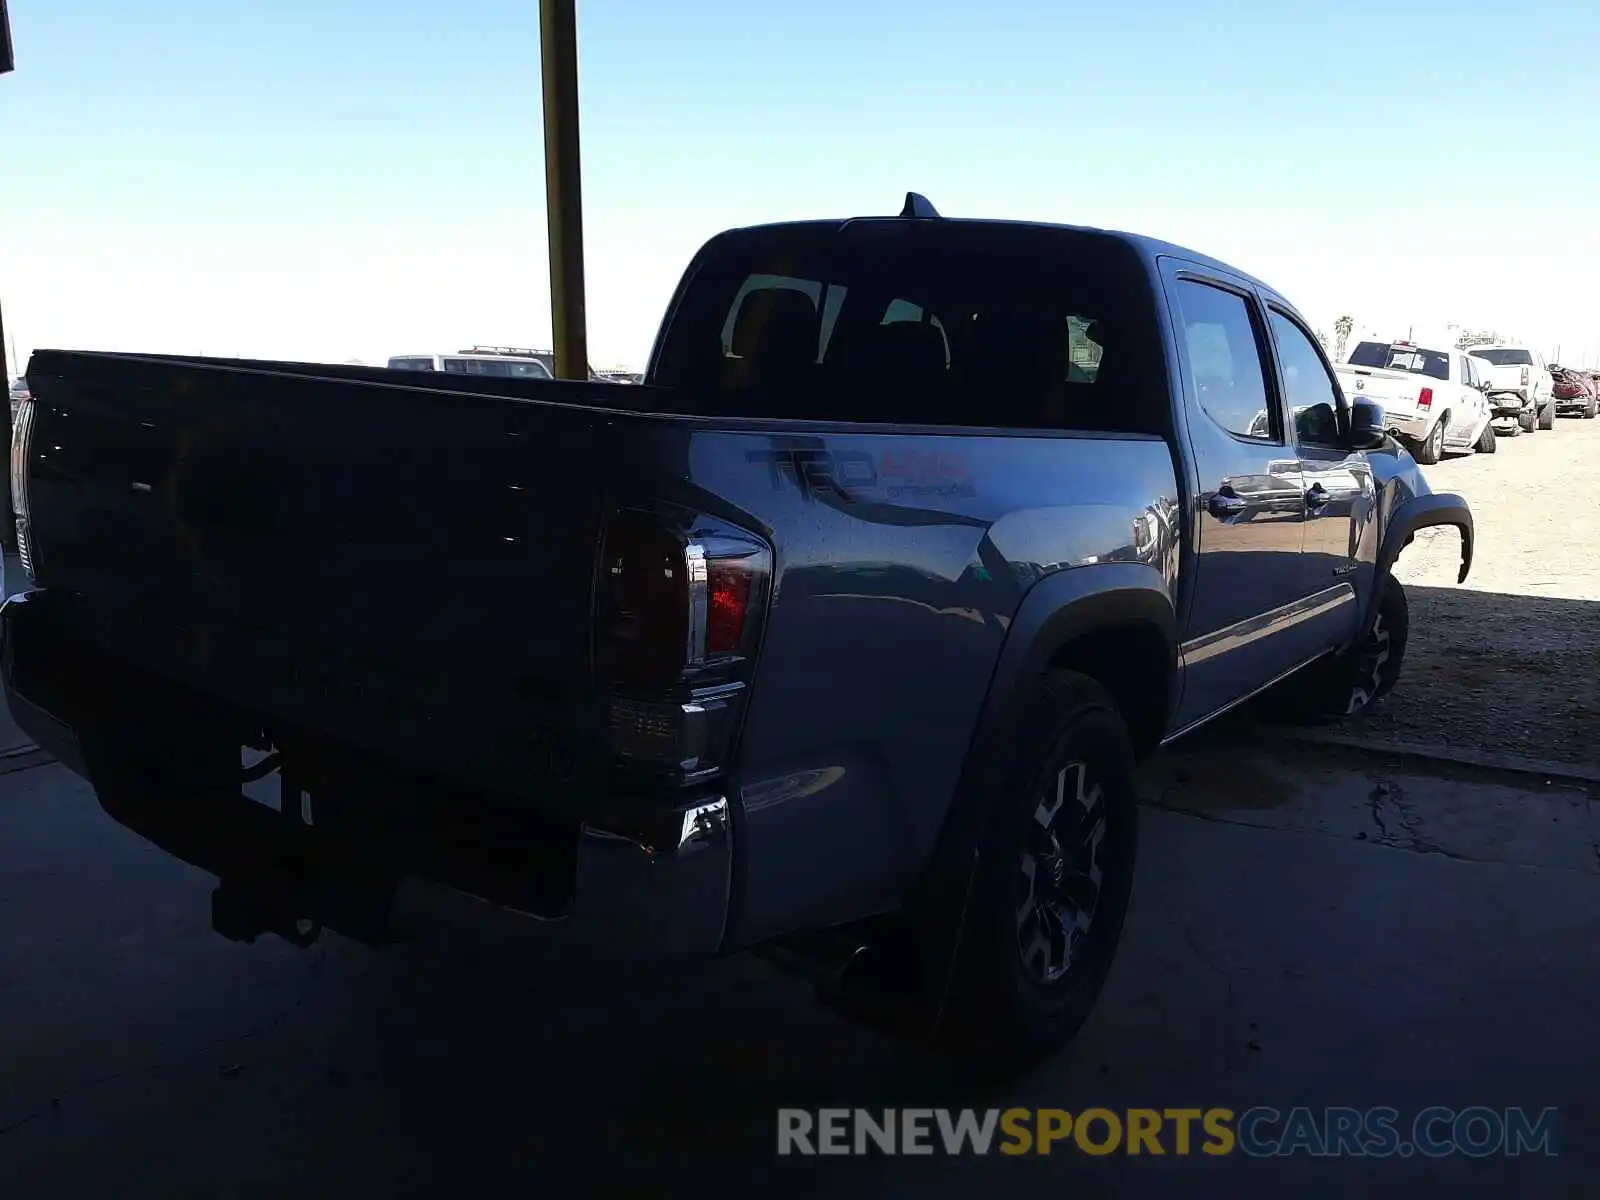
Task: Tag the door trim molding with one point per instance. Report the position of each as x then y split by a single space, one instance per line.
1262 625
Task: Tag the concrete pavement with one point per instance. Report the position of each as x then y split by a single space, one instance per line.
1335 930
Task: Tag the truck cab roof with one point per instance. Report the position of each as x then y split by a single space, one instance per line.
1149 249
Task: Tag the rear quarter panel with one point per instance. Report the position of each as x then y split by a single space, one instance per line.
901 559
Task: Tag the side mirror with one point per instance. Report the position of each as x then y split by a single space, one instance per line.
1317 425
1367 431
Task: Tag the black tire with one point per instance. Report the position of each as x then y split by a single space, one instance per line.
1527 420
1591 408
1346 684
1431 449
1031 965
1547 415
1372 666
1486 440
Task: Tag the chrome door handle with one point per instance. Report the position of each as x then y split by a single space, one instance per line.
1225 504
1317 497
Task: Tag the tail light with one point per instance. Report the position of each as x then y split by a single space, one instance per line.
21 446
679 608
1524 376
1425 398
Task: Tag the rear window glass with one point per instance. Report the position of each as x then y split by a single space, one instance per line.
1433 363
472 366
497 368
964 325
1504 358
509 368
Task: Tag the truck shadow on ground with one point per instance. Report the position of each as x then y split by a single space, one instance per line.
1491 672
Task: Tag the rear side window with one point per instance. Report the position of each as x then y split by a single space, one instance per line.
411 364
1227 380
941 325
488 368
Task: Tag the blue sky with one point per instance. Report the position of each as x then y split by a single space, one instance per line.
336 179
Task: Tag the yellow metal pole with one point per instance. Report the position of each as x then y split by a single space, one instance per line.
558 37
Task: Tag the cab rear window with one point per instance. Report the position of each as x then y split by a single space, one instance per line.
1433 363
1508 357
976 325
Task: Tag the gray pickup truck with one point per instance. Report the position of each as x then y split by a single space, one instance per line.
839 638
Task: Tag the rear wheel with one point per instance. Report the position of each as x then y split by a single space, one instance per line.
1431 449
1052 883
1547 415
1527 420
1486 440
1591 408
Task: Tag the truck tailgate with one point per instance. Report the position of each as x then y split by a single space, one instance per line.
1502 379
407 569
1397 391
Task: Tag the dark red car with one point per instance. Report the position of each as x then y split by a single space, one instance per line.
1576 392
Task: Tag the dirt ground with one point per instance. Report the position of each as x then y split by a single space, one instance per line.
1510 660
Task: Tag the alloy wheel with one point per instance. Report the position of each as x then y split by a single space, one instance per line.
1370 658
1060 874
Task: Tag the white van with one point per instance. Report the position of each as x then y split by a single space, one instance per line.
496 362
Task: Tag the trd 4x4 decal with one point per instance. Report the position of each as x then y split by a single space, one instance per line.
856 474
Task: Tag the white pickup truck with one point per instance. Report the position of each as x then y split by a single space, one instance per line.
1520 385
1433 400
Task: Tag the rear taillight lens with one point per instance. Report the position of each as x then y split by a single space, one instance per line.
21 446
1425 398
1524 376
678 618
729 587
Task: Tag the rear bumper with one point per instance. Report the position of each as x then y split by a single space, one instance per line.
1410 425
659 889
1507 404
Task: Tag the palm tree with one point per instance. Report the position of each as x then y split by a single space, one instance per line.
1341 329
